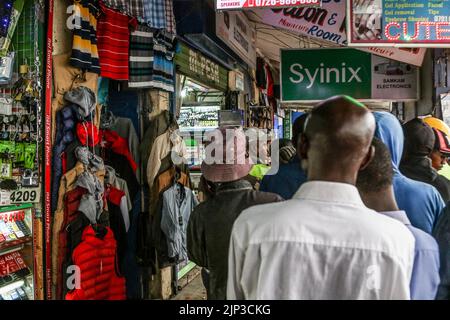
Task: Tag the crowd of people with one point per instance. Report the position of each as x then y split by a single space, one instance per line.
358 211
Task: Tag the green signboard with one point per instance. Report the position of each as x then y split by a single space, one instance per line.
197 66
312 75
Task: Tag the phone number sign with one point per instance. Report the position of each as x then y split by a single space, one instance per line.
255 4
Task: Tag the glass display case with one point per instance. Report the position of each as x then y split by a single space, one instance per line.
17 253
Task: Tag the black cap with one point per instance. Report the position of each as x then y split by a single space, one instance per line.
419 138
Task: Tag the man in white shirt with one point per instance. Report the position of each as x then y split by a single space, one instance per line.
324 243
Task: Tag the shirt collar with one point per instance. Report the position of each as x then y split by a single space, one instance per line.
398 215
234 185
332 192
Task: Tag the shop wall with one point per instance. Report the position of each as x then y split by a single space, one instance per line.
62 37
425 104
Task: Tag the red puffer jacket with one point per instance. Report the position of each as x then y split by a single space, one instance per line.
96 259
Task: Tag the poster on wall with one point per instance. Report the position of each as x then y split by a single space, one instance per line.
307 76
255 4
412 23
328 24
234 29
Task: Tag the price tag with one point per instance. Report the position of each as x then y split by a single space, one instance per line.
5 198
26 195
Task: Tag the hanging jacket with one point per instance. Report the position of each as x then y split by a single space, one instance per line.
80 107
67 236
178 203
125 129
113 149
74 235
118 183
89 135
420 169
165 144
96 259
68 183
157 126
117 209
72 201
422 202
65 135
149 228
261 79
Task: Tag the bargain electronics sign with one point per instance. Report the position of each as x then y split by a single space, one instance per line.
412 23
255 4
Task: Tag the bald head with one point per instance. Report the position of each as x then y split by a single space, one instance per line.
338 134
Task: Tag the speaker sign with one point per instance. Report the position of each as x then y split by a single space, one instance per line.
255 4
311 76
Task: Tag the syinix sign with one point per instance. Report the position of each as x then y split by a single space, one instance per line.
310 76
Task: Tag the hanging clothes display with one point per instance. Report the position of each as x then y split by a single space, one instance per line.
96 257
132 8
113 34
102 166
22 109
84 49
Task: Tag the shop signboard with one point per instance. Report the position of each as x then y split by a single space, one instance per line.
257 4
328 24
234 29
197 66
412 23
310 76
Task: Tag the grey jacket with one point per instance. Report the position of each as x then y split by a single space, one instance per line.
210 227
178 203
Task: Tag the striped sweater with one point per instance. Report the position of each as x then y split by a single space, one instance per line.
113 35
84 50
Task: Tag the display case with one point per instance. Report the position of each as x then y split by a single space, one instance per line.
17 253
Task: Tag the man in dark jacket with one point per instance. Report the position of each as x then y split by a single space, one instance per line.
290 176
210 224
416 163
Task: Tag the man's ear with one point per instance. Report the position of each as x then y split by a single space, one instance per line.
368 158
303 147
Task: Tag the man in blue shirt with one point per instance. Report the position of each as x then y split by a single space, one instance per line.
375 186
290 176
422 202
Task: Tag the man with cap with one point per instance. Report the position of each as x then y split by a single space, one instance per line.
416 163
441 152
439 159
208 236
324 244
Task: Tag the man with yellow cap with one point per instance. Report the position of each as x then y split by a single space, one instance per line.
441 152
